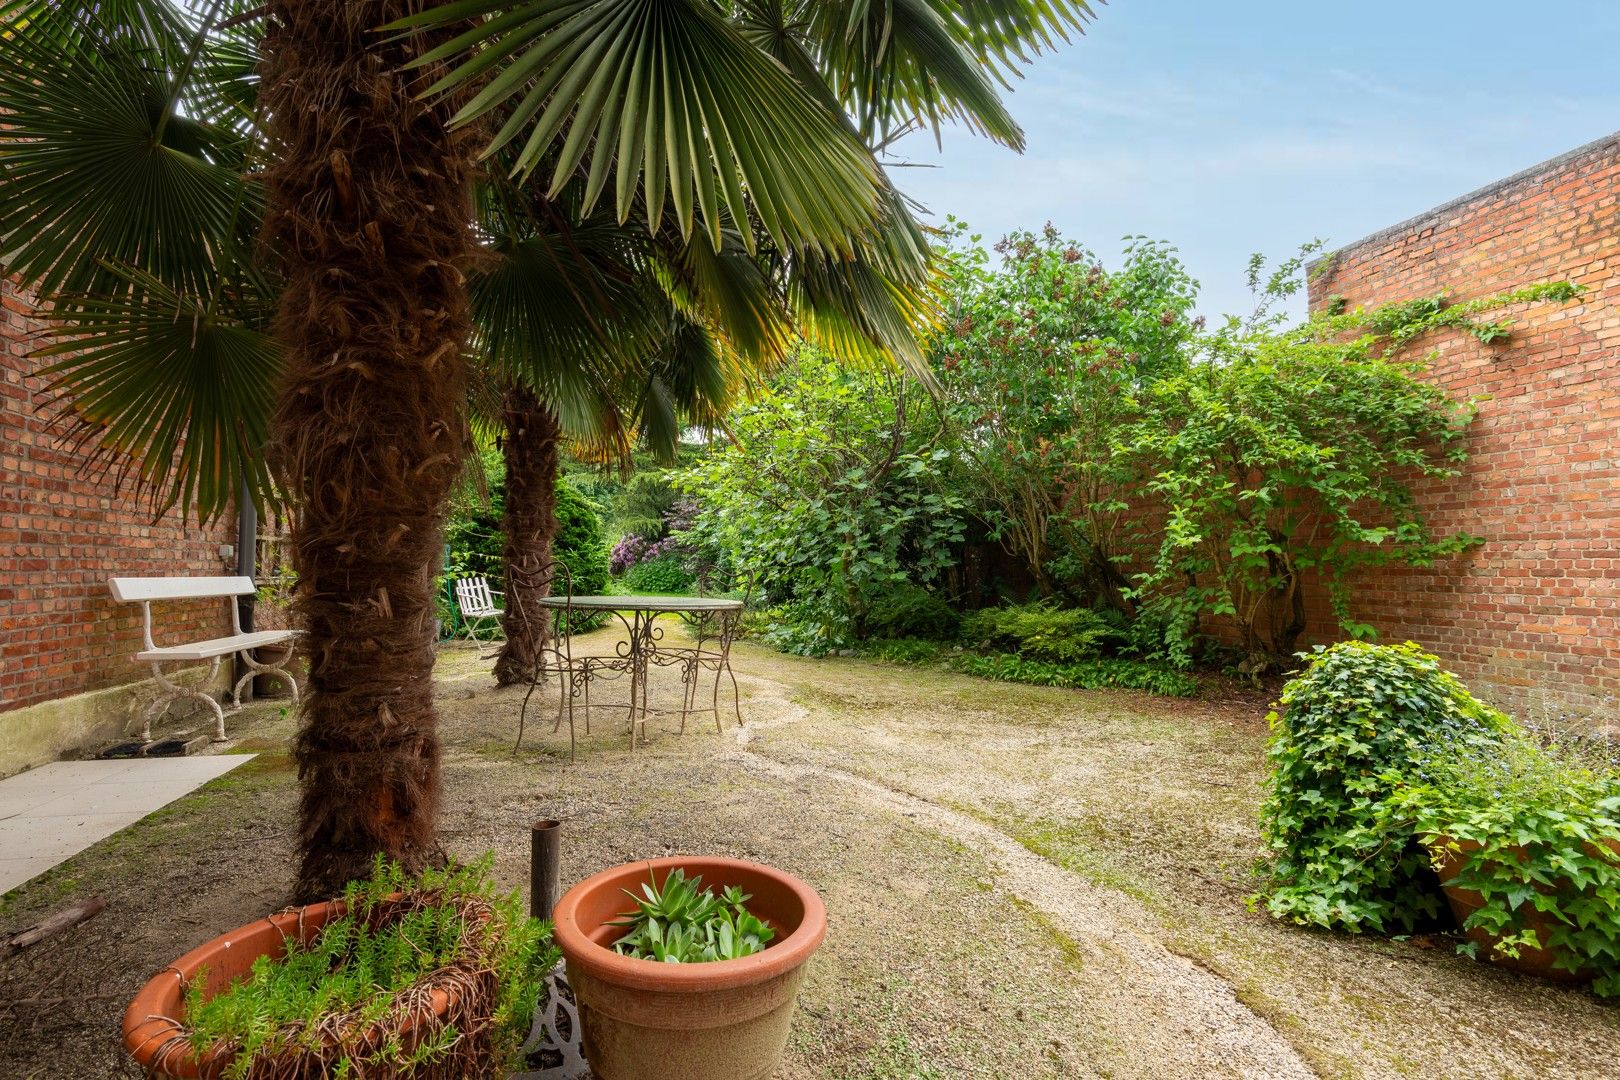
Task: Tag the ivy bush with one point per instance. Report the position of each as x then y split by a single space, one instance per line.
1347 735
1536 828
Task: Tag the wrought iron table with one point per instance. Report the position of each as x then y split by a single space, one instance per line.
716 621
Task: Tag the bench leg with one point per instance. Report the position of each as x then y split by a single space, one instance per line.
256 668
174 692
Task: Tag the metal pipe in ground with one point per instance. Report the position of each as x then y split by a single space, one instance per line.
545 867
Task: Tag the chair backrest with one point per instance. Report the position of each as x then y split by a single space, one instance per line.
474 597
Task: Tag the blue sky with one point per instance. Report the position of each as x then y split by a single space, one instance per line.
1228 128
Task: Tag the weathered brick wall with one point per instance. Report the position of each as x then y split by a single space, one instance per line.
1532 618
63 533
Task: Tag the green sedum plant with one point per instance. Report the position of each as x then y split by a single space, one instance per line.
1535 830
680 922
334 1006
1346 735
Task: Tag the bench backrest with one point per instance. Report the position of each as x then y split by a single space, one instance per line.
134 590
145 590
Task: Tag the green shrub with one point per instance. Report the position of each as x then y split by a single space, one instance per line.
1108 673
1536 829
309 1012
1042 631
477 545
664 574
906 611
904 650
1344 737
807 629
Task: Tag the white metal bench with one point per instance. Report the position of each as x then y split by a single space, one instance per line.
477 603
147 590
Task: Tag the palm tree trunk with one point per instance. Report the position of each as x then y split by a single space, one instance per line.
368 210
530 521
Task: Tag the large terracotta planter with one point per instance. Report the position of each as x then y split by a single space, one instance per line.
150 1032
1449 859
727 1020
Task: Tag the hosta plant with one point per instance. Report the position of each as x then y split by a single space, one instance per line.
681 922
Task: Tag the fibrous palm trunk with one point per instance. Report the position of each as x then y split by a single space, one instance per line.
530 451
368 212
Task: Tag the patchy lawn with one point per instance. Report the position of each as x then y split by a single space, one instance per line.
1022 882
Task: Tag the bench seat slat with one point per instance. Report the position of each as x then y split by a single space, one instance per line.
138 589
206 650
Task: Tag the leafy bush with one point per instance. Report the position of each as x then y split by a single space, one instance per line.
477 544
1537 831
1043 631
806 629
833 495
904 650
1345 737
910 612
317 1007
1086 675
664 574
1049 324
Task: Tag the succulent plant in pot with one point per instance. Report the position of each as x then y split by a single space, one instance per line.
675 981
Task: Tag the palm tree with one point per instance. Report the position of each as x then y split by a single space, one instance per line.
140 157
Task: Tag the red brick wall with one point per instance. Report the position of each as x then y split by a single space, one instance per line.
1532 618
62 535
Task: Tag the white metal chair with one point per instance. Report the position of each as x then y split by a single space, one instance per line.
478 610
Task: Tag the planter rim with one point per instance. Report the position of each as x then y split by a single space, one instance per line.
598 961
149 1020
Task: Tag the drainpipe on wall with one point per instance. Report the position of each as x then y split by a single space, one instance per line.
247 548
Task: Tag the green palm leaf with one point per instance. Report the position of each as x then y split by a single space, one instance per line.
668 98
97 166
168 391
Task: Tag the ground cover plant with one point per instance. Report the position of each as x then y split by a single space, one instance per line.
335 1006
680 922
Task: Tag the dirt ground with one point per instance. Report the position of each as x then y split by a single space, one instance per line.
1022 882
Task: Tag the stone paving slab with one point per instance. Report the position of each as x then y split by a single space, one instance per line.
49 814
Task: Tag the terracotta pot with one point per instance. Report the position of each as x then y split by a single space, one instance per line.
727 1020
1464 902
271 686
150 1032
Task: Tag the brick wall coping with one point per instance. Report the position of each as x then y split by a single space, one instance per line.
1496 187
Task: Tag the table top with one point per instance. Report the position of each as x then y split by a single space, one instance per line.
643 603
